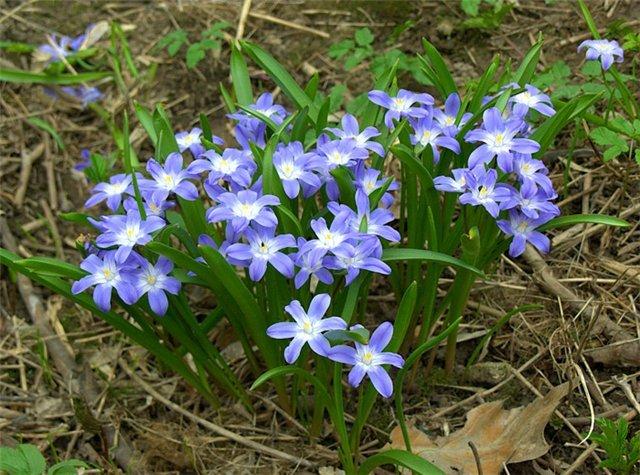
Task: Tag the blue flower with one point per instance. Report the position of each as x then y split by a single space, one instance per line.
499 139
311 262
607 51
403 105
233 165
85 94
363 256
368 360
107 273
426 132
111 192
532 98
295 169
171 178
482 190
308 327
523 230
264 248
351 130
126 231
244 208
154 280
448 119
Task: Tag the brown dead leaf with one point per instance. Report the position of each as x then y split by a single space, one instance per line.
501 436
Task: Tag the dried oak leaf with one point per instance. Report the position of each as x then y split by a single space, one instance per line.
500 436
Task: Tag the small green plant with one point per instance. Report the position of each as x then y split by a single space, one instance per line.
484 18
26 459
623 453
211 40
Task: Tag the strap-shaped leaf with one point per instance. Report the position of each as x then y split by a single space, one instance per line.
400 458
573 219
399 254
240 78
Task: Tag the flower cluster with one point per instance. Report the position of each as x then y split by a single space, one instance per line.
311 327
502 176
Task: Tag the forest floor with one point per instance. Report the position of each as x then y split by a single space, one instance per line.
586 331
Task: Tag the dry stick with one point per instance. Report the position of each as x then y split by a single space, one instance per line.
210 425
290 24
53 227
569 236
50 169
25 173
621 354
486 392
628 392
244 13
79 381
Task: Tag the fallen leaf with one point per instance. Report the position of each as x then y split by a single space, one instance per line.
500 436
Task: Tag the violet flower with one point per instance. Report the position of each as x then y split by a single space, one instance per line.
106 273
607 51
499 139
308 327
154 280
367 181
532 98
532 201
523 230
426 132
111 192
363 256
368 360
351 130
264 248
243 209
85 160
457 184
329 238
295 169
85 94
447 118
482 190
128 230
171 178
311 263
530 169
403 105
343 152
191 140
233 165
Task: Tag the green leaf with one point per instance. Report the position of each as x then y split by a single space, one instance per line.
441 76
399 254
47 127
338 50
240 78
36 462
17 47
75 217
173 41
589 19
52 266
364 37
67 467
400 458
146 120
573 219
195 54
528 66
26 77
470 7
282 78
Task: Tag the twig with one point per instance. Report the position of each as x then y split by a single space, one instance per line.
290 24
210 425
53 227
25 173
628 392
244 13
476 456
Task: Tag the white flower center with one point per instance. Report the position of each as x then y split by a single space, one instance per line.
108 274
527 99
401 104
448 120
168 181
151 279
130 235
307 327
483 193
522 227
246 210
226 166
328 239
288 171
367 358
115 188
338 158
